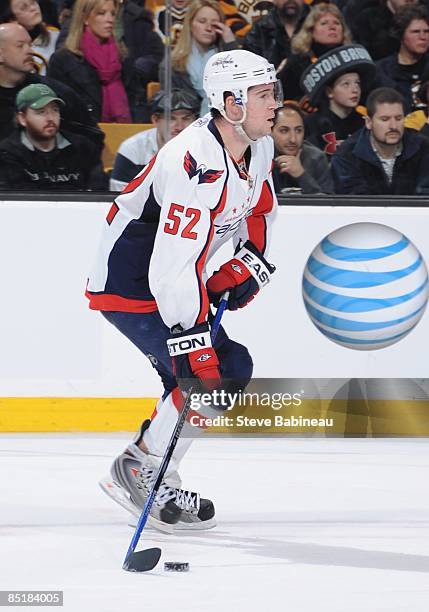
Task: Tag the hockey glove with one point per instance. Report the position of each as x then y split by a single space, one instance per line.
194 358
243 276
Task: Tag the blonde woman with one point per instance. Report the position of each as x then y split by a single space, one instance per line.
204 33
90 62
323 29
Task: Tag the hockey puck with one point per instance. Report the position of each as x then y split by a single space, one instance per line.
176 566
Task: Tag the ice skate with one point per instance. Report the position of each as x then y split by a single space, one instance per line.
131 478
198 513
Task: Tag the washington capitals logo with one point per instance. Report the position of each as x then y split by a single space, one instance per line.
204 175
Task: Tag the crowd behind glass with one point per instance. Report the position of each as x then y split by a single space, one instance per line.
355 76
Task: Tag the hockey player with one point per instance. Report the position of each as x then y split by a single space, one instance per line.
209 185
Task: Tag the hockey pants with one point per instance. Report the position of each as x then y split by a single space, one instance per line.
149 334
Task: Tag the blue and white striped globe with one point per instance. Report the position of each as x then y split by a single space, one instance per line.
365 286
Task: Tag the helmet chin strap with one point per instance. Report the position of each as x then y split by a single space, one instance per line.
239 125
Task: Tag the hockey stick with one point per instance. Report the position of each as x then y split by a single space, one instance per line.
145 560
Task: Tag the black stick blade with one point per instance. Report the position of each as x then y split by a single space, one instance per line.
143 560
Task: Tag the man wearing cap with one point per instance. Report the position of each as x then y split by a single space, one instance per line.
38 156
135 152
383 158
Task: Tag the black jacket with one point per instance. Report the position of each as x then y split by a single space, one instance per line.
357 169
290 75
145 53
74 114
371 27
73 165
327 131
269 38
74 71
139 36
405 79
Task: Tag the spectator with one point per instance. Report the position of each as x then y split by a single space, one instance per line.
44 37
271 35
233 18
142 51
90 62
204 33
323 30
135 152
334 85
298 164
371 24
178 14
38 156
404 70
17 71
383 158
237 16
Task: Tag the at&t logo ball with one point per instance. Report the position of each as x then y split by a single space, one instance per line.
365 286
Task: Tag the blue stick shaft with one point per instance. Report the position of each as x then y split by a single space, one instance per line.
172 443
219 314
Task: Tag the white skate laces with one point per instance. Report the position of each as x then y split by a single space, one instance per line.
188 501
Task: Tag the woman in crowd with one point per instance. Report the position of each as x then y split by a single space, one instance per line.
337 95
90 61
405 70
204 33
28 14
323 29
142 50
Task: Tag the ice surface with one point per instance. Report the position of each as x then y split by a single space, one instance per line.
303 525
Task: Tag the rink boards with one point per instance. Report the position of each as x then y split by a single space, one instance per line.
62 367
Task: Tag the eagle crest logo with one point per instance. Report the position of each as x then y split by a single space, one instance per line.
205 175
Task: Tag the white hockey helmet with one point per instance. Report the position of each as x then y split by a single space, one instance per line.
236 71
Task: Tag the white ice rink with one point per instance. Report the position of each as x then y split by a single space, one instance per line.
311 525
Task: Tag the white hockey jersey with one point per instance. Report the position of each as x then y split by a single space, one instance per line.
132 156
170 220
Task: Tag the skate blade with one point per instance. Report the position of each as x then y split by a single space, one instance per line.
117 493
197 526
181 525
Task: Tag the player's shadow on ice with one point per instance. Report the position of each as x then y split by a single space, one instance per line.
318 554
